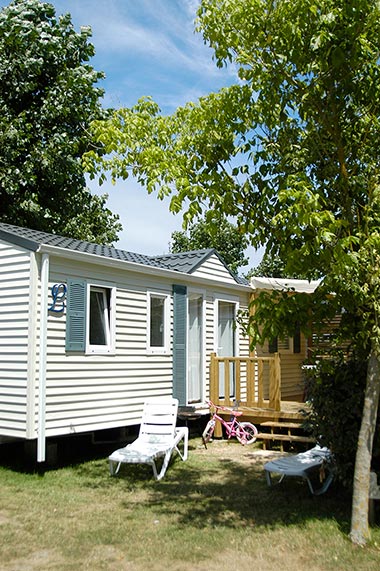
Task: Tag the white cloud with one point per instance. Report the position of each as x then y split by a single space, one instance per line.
148 47
158 30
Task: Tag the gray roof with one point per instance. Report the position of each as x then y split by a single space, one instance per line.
184 262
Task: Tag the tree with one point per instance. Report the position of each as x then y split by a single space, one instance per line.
271 267
221 235
332 380
48 97
292 152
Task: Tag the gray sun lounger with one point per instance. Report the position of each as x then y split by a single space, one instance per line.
303 465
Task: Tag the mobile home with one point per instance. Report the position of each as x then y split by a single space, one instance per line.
88 332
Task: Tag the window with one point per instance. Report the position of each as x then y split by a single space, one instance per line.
99 320
287 344
90 317
158 326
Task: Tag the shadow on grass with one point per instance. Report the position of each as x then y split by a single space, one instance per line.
208 490
243 498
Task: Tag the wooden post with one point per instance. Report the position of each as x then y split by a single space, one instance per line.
275 383
214 389
227 376
237 380
214 378
250 382
260 383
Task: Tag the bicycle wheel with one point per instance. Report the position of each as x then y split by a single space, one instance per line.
208 431
246 432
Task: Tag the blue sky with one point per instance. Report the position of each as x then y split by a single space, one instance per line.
146 47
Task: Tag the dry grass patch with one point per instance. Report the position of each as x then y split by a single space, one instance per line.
214 509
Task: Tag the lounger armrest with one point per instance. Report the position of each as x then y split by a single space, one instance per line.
182 433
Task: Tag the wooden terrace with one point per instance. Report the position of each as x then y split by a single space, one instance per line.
255 382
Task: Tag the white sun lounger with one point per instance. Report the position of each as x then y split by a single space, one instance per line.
303 465
158 438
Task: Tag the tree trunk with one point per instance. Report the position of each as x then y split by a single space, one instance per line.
359 520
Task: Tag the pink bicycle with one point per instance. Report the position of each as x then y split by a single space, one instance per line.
245 432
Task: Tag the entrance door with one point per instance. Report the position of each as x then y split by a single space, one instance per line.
195 348
226 342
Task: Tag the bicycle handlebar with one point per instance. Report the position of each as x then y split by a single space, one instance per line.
230 410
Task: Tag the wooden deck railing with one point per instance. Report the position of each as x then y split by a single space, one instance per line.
254 381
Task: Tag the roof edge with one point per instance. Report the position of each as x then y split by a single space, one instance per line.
138 267
284 284
13 238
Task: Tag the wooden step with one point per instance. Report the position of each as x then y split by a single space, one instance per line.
281 437
284 437
280 424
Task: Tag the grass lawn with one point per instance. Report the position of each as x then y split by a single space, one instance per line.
215 510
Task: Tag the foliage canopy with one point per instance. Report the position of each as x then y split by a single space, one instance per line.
337 380
48 97
292 152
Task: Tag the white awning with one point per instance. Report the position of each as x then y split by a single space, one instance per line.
284 284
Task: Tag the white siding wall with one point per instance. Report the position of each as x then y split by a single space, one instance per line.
88 392
91 392
211 337
17 282
215 270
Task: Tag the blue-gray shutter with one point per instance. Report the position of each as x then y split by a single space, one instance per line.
179 343
76 315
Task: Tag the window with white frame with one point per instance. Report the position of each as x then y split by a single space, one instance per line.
99 319
158 323
90 317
